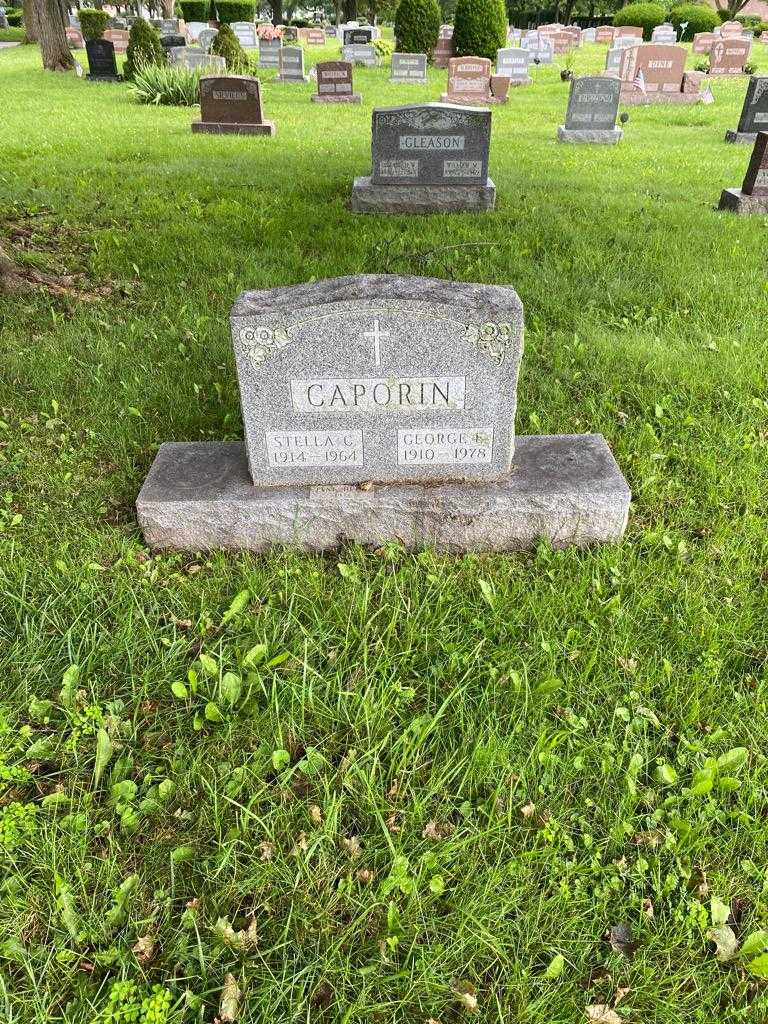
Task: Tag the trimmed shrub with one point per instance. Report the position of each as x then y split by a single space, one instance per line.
234 10
195 10
301 23
417 26
14 17
645 16
93 23
480 28
227 45
167 85
143 48
384 48
699 18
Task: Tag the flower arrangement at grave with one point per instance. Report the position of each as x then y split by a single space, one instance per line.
144 48
417 26
93 23
644 16
227 45
699 18
268 32
480 28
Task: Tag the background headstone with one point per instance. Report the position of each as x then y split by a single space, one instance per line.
118 37
702 42
410 68
334 83
291 63
246 34
604 34
665 34
660 68
469 80
752 197
357 36
754 113
513 62
269 53
729 55
593 103
360 53
231 105
206 37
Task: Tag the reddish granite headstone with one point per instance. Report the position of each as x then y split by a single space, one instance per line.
628 30
562 42
702 42
661 67
605 34
469 81
731 29
728 56
74 38
231 105
445 48
756 178
118 37
334 83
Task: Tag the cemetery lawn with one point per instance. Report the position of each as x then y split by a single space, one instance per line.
378 786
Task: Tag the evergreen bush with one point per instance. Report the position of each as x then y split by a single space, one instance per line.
195 10
93 23
143 48
228 11
227 45
699 18
417 26
480 28
14 17
644 16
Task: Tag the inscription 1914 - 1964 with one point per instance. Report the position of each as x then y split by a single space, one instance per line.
368 385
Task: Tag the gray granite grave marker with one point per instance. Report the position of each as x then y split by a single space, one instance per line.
269 53
513 63
246 34
593 103
427 158
754 113
360 53
292 65
410 68
206 37
404 385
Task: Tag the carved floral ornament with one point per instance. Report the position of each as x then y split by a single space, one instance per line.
258 343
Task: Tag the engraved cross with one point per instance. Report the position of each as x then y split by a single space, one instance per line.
376 334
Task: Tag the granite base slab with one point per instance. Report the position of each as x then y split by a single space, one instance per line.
602 136
292 78
736 201
224 128
637 99
350 97
471 101
370 198
732 136
565 488
104 78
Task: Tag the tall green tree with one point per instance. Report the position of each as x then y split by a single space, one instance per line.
480 28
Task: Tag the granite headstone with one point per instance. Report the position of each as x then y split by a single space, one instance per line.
593 103
334 83
269 53
409 68
728 56
292 65
754 113
231 105
513 63
752 197
102 66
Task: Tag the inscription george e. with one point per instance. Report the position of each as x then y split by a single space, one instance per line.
403 394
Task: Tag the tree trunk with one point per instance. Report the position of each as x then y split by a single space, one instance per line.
167 8
30 22
277 11
52 38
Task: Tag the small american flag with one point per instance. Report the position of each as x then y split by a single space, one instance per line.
640 82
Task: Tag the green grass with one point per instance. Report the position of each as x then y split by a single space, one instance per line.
11 35
452 779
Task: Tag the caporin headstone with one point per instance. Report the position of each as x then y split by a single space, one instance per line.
593 103
752 197
754 113
231 105
380 408
427 158
334 83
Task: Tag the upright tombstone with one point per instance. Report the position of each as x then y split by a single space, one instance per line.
754 113
119 37
604 34
334 83
102 66
172 42
631 31
231 105
702 42
74 38
193 30
357 37
246 34
409 68
654 73
269 53
427 158
589 35
445 47
593 103
752 197
190 57
512 62
729 55
205 39
405 385
292 65
314 37
290 34
363 54
731 29
665 34
562 42
469 81
538 47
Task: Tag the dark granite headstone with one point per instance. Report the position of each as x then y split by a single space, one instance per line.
231 105
754 114
357 36
170 42
102 66
334 83
593 104
756 178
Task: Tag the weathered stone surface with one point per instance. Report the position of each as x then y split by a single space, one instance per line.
593 103
606 137
370 198
342 380
736 201
409 68
740 137
231 105
566 489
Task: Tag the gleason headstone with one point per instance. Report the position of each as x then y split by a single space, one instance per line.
409 68
427 158
469 81
246 33
102 66
269 53
728 56
292 65
231 105
593 104
752 197
404 385
754 113
513 63
334 83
